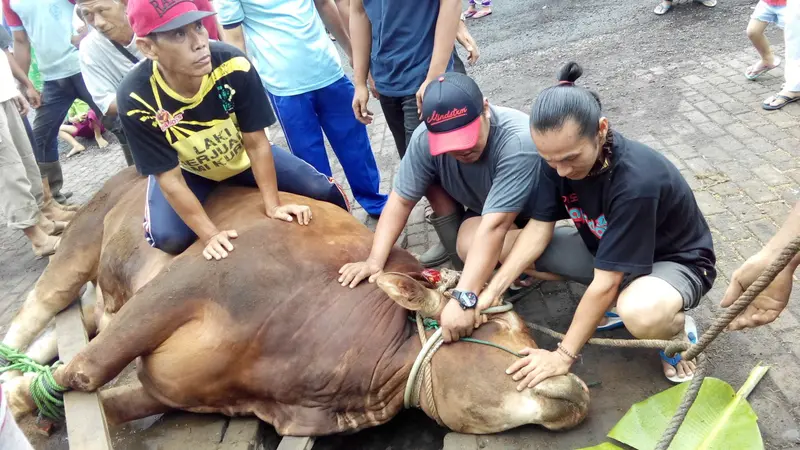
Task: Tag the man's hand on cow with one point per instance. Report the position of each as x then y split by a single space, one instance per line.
354 273
218 245
538 365
285 212
487 299
456 322
769 303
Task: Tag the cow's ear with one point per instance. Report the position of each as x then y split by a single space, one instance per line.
411 294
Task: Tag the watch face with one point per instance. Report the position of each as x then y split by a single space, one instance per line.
468 299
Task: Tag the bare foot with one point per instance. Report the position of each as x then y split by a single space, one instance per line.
684 369
75 150
46 247
102 143
54 211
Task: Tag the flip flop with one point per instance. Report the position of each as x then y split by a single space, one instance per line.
786 100
614 321
690 327
753 75
49 248
662 9
708 3
468 14
482 13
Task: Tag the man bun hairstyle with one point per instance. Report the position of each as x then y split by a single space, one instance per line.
566 100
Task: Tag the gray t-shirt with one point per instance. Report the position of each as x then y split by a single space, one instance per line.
103 67
500 181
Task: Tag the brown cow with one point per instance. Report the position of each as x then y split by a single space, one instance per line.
269 331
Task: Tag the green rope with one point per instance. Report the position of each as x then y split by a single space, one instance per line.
47 394
432 324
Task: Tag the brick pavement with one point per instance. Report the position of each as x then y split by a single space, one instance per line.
742 162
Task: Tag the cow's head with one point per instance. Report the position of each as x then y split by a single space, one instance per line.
471 390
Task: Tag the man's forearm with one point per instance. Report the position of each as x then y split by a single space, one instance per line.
482 258
445 36
360 41
789 231
17 71
393 219
333 22
593 305
529 246
22 51
235 37
263 166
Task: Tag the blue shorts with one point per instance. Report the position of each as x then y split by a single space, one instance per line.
767 13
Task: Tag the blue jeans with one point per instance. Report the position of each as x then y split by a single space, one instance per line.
304 117
165 230
57 96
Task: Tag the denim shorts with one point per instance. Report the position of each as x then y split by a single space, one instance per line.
765 12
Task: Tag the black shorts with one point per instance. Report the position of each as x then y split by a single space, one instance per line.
568 257
519 222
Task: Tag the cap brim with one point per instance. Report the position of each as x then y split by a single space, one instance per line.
183 20
460 139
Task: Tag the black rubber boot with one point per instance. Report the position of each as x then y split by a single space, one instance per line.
447 229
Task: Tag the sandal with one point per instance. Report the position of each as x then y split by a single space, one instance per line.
786 100
471 11
614 321
690 327
751 73
708 3
482 13
49 248
663 8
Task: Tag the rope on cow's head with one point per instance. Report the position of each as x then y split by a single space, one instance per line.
47 394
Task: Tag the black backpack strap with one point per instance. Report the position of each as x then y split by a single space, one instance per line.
125 52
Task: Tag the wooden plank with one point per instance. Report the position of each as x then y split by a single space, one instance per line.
243 433
86 422
296 443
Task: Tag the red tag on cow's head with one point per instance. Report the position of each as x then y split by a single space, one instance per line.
432 275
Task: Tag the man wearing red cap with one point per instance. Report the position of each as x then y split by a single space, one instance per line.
480 155
194 114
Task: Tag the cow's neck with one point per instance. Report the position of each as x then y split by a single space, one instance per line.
410 350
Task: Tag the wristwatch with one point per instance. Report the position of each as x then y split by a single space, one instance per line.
466 299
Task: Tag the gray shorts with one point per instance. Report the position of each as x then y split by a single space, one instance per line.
568 257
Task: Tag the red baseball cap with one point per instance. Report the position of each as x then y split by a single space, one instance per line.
452 108
155 16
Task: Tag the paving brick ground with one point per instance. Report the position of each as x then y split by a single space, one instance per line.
742 162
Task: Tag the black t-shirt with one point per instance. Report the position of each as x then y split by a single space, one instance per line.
203 133
637 212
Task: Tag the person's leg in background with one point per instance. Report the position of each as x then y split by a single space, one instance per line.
411 118
458 64
392 108
113 124
762 16
791 35
350 142
17 202
163 227
298 177
57 97
302 129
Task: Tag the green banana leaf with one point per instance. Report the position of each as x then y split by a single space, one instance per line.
603 446
719 419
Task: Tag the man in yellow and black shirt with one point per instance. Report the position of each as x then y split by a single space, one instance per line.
195 113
